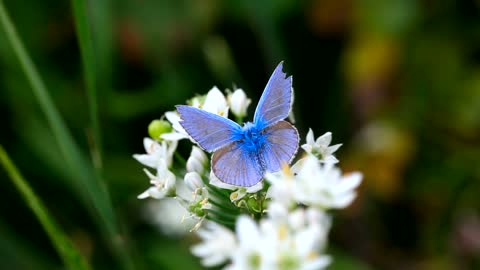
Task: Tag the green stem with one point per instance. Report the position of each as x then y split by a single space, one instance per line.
180 159
239 119
222 206
221 217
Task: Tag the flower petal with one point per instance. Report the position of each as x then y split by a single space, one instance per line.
247 231
147 160
349 182
324 140
310 138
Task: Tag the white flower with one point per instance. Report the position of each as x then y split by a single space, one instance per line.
254 247
198 161
238 102
320 148
167 215
193 196
217 246
178 132
163 183
315 221
323 185
156 152
282 189
276 245
299 238
238 192
302 219
298 251
215 102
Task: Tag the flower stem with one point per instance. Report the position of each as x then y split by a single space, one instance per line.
180 159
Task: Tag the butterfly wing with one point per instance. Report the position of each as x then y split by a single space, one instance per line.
209 130
281 145
235 166
276 100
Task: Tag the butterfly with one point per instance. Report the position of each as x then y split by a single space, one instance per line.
243 154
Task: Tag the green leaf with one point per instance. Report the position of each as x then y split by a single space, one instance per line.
82 175
69 254
86 44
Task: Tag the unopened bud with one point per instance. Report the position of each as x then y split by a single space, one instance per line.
158 127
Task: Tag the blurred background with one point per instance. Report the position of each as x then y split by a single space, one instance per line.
397 82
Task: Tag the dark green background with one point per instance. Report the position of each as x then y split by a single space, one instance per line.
397 82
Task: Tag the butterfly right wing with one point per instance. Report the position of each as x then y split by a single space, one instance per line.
276 100
235 166
209 130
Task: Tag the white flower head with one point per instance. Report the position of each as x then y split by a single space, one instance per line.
163 183
323 186
217 246
298 250
238 102
156 152
282 189
320 147
193 196
299 238
314 221
274 245
254 246
198 161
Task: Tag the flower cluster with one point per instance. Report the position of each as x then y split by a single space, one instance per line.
280 223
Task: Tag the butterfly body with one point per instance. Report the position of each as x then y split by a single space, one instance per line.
252 138
242 155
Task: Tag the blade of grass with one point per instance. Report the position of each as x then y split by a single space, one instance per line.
93 191
70 151
69 254
93 29
86 44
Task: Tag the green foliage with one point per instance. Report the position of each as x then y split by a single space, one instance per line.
397 82
82 176
69 254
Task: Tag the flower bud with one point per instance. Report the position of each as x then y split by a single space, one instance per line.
238 102
254 205
158 127
238 194
197 162
193 181
215 102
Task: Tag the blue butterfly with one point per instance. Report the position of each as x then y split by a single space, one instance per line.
242 155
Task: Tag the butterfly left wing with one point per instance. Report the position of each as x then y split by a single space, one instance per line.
209 130
281 145
235 166
276 100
